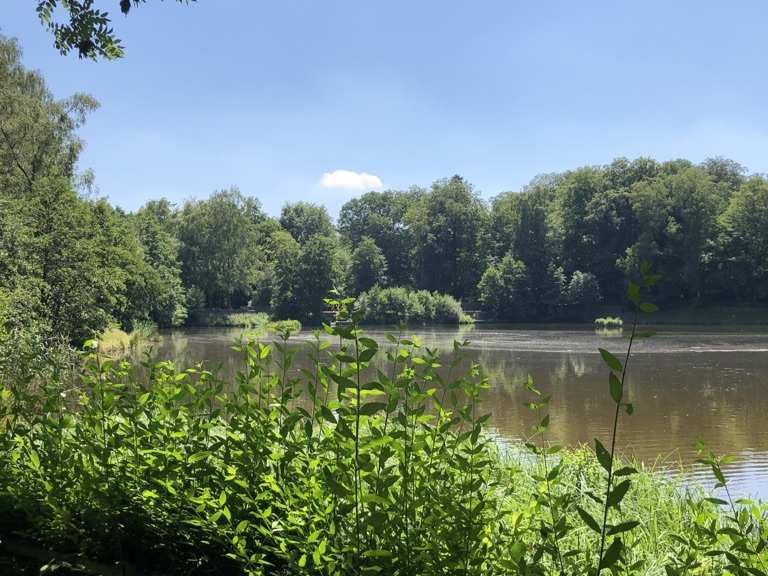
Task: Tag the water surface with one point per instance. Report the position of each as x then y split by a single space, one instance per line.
687 384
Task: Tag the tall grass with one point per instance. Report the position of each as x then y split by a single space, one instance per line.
341 468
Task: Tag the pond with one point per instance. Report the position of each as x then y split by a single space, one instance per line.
686 384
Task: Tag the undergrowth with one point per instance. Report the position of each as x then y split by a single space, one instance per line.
343 468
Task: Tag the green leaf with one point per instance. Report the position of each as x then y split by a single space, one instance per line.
648 307
34 460
197 456
588 519
633 293
623 527
618 493
616 387
326 413
610 360
611 555
371 408
603 456
367 354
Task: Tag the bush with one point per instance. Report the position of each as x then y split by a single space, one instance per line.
395 305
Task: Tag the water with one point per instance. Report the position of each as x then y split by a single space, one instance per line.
686 384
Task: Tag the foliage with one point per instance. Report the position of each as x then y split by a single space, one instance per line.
506 291
218 251
303 220
446 237
303 276
381 217
394 306
212 317
609 321
87 30
582 295
373 459
368 266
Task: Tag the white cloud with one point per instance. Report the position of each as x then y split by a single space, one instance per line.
350 180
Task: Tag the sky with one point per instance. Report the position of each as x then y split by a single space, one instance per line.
323 100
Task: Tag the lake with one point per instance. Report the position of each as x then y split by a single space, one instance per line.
686 383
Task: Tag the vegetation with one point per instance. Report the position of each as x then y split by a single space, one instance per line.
396 306
86 29
341 469
609 321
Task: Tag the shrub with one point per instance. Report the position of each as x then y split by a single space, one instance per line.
395 305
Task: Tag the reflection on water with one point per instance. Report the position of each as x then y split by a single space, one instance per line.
686 385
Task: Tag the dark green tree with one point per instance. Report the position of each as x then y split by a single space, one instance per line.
506 292
381 216
447 226
368 266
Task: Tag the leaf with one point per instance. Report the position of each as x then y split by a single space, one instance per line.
633 293
610 360
618 493
626 471
326 413
623 527
197 456
588 519
616 387
367 354
648 307
603 456
371 408
612 554
34 460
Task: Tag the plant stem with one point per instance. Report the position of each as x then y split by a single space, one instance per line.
613 446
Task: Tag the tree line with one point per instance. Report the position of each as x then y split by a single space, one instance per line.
71 262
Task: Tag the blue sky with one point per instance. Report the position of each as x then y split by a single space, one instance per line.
270 96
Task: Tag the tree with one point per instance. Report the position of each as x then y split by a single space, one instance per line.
286 277
676 215
37 132
368 266
155 225
446 247
303 277
582 296
381 217
506 292
219 247
304 220
741 251
85 29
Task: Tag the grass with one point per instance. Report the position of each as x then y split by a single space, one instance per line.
116 342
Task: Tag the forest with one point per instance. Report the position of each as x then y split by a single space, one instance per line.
71 263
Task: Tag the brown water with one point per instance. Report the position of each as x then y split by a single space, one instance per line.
686 384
